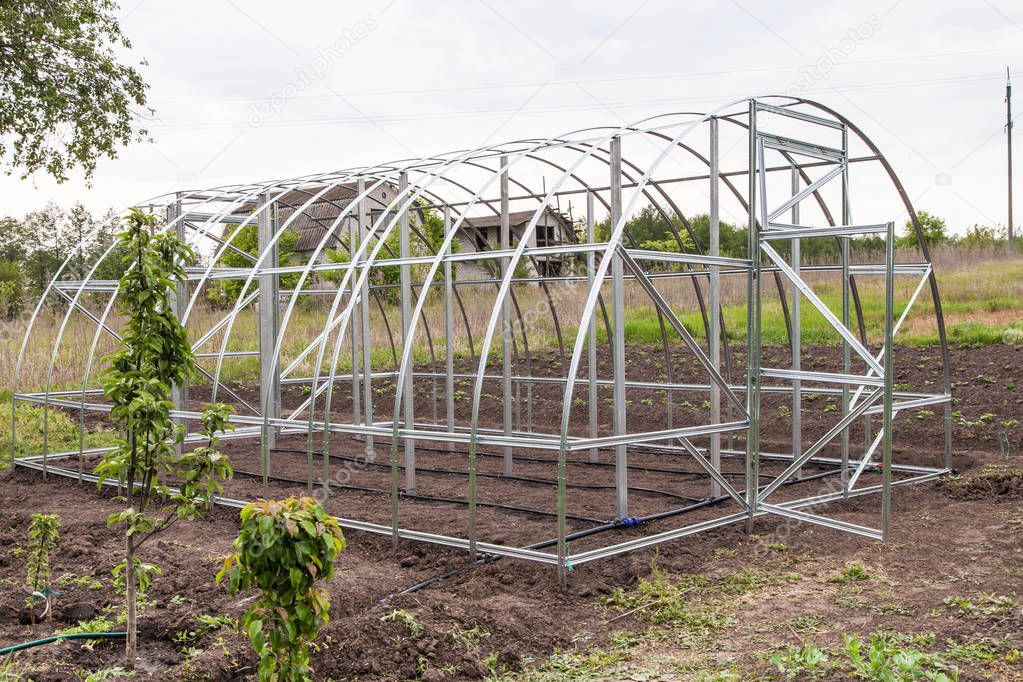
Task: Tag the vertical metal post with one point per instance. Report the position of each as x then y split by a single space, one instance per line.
591 332
846 350
714 334
753 329
367 361
354 236
796 342
406 313
506 329
269 303
618 344
889 378
179 392
449 333
1008 131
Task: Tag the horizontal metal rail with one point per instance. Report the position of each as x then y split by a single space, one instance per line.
787 144
800 116
784 231
656 539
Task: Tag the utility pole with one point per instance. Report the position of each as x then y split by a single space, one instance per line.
1008 132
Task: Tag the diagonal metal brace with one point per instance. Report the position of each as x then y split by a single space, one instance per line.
714 473
687 338
838 428
817 303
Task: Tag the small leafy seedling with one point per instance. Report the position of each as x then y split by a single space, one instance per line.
854 572
805 661
402 616
43 535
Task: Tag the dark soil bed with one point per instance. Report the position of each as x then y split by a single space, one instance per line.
965 526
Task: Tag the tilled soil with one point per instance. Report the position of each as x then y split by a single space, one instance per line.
961 536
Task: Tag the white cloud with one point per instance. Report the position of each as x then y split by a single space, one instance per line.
927 85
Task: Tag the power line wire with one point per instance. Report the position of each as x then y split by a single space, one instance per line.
475 113
595 81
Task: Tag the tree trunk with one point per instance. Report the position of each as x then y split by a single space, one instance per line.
131 641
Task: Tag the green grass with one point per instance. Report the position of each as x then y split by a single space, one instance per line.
885 657
667 600
979 300
590 664
643 326
982 299
854 572
29 420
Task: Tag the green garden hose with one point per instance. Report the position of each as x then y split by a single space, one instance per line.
57 638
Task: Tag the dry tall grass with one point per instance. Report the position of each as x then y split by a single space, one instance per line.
977 287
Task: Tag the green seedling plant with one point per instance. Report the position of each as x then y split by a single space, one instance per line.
470 638
806 661
887 657
984 604
854 572
414 627
43 536
107 674
284 549
154 355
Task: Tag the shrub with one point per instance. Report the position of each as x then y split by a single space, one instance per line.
284 548
12 295
932 229
426 239
224 293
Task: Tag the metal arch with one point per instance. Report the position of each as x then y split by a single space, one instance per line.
465 319
602 267
443 170
669 366
337 349
408 203
404 204
330 233
599 155
341 321
491 326
485 348
488 336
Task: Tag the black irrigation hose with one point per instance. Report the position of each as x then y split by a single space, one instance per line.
578 535
523 479
424 498
586 463
617 523
580 462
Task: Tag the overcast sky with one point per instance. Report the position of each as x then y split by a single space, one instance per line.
248 90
